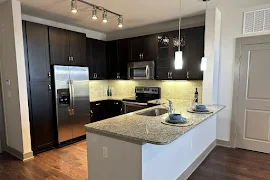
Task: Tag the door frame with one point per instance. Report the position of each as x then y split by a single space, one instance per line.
259 39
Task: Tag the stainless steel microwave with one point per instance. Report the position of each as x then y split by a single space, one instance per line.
141 70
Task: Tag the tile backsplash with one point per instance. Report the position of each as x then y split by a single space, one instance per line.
182 90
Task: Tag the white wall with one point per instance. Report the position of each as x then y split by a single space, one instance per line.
89 33
231 28
13 70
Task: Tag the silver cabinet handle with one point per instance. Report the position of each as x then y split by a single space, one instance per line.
118 75
49 87
121 111
72 58
116 103
69 58
188 75
49 74
91 113
168 75
98 104
142 55
171 75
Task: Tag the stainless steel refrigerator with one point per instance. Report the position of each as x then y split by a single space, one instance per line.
72 101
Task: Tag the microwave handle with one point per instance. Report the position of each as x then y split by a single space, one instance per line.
147 72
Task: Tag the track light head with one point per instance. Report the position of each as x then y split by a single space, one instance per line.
94 13
120 21
105 20
74 6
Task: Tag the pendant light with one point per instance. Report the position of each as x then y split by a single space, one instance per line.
204 59
105 20
120 21
179 54
74 6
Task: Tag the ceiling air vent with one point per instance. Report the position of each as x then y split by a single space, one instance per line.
256 21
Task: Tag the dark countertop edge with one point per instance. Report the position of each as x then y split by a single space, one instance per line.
143 141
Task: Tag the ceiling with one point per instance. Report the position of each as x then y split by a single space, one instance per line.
135 12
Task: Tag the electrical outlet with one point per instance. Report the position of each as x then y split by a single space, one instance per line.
105 152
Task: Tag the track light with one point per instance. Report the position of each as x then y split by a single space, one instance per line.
105 20
94 13
120 21
74 6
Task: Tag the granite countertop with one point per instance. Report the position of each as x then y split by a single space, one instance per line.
145 129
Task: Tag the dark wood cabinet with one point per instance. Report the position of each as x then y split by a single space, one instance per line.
66 47
38 86
113 108
117 58
42 128
192 46
96 58
195 43
142 48
97 111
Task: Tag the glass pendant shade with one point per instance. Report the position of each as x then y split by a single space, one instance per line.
204 63
178 60
74 6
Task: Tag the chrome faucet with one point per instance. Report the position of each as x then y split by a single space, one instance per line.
169 108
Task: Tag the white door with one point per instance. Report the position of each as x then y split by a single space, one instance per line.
253 102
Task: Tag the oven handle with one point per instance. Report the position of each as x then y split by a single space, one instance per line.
135 103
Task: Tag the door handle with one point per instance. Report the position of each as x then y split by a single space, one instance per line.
73 97
98 104
49 87
91 113
188 75
49 74
70 97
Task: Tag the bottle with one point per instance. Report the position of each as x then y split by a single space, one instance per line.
108 91
196 96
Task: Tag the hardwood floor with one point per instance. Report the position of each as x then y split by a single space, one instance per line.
66 163
70 162
233 164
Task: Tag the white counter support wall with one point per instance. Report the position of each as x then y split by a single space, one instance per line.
127 160
13 78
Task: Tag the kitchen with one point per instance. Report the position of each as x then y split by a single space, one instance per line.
80 80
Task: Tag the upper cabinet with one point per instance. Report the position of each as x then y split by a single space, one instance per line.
142 48
96 59
192 46
67 47
36 38
117 58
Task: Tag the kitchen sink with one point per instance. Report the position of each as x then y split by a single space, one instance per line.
153 112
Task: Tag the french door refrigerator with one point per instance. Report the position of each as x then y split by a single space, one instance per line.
71 85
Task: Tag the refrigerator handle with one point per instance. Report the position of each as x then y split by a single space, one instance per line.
70 98
73 97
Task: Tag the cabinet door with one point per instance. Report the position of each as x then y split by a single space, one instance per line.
77 48
38 51
180 74
123 52
195 43
163 69
99 58
163 43
97 111
136 49
149 48
42 129
112 59
113 108
59 46
89 59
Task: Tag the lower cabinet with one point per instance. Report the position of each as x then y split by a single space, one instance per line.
105 109
41 118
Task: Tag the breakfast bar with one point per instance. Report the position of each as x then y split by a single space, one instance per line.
138 146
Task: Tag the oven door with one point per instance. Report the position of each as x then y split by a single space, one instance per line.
141 70
133 106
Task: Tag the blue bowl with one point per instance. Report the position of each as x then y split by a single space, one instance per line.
200 107
176 117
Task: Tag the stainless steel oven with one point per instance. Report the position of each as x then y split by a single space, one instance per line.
141 70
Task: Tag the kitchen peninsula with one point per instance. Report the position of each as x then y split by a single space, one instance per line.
137 147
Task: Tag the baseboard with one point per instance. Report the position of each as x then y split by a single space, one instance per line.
223 143
18 154
187 173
